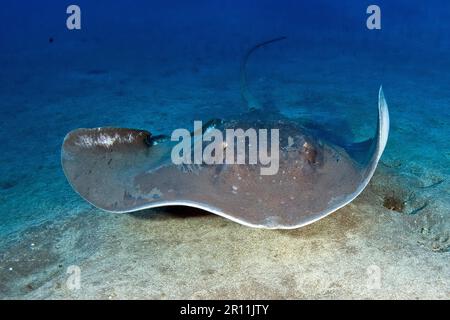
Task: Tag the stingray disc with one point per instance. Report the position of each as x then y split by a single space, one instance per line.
125 170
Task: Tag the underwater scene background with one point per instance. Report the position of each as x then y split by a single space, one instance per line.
160 65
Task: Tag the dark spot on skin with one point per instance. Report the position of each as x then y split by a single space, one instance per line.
310 153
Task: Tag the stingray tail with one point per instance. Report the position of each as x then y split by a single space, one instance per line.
368 152
250 100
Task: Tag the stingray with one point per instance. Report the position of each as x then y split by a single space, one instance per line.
125 170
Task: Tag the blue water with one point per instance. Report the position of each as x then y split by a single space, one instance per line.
159 65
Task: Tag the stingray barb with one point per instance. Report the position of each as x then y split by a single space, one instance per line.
125 170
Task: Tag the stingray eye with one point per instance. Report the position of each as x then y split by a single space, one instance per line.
148 140
310 153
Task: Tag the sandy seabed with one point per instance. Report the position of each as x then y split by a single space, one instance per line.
391 242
